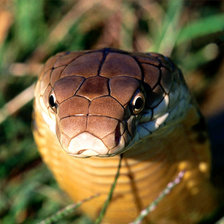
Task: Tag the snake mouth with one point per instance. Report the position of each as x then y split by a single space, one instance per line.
102 137
86 144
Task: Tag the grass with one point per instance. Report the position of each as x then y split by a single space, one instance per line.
190 32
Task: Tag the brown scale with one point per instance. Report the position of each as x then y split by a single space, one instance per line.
93 90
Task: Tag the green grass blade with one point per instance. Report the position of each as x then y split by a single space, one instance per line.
201 27
29 26
165 39
65 211
104 209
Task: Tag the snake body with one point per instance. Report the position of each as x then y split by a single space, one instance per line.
102 103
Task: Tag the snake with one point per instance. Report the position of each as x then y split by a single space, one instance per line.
93 106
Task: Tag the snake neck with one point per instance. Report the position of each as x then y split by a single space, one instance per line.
147 168
172 140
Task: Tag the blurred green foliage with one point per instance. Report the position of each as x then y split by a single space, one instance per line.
191 32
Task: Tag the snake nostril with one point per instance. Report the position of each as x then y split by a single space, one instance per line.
117 134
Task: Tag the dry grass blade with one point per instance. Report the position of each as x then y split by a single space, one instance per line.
5 23
16 103
111 33
21 69
62 28
221 221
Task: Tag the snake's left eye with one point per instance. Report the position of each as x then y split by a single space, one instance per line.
138 103
52 102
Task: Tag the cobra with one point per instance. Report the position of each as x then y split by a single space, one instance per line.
92 106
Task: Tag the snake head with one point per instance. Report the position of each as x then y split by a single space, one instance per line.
99 103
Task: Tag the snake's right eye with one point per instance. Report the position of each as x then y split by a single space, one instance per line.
52 102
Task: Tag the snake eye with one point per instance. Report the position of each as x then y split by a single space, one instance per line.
138 103
52 102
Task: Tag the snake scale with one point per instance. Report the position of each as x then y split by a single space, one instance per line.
92 106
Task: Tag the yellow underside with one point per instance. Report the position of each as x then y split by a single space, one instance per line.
146 170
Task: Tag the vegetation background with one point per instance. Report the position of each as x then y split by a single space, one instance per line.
190 32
